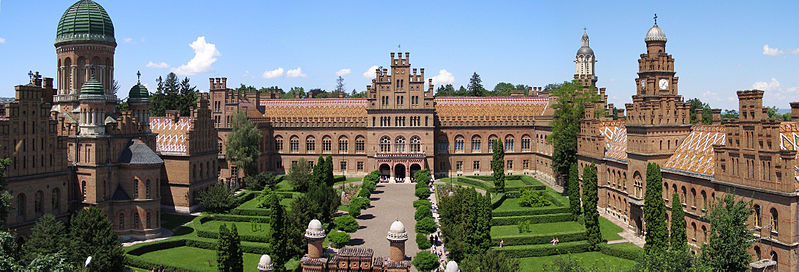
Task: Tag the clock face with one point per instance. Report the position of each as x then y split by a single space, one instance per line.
643 83
663 84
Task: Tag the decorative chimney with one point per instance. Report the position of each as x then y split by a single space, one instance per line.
795 111
716 113
315 235
396 238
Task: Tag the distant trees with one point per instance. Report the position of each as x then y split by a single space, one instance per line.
218 198
707 114
243 144
475 86
340 84
173 94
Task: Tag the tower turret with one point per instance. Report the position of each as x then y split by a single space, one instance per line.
585 62
92 108
315 235
396 238
139 101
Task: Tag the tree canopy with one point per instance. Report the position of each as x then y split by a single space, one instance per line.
173 94
569 109
465 223
729 238
91 234
243 144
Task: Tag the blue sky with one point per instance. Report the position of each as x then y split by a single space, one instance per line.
719 46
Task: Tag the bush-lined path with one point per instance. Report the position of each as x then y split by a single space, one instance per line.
391 201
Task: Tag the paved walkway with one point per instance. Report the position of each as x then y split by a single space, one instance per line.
628 234
391 201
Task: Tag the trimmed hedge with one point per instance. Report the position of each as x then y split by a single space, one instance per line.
248 247
422 242
250 212
617 250
531 211
497 200
232 218
543 249
421 202
557 199
142 263
133 257
422 193
534 219
522 239
477 182
159 245
339 178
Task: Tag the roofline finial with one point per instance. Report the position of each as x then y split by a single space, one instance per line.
656 19
138 75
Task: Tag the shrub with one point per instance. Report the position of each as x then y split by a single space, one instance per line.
531 198
544 249
425 261
530 211
364 192
422 193
629 253
422 242
354 211
421 202
370 185
534 219
426 226
258 182
218 198
361 202
532 238
339 239
422 212
420 185
346 223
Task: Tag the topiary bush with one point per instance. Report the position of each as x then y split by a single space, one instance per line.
421 202
422 212
422 193
338 239
426 226
354 211
364 192
361 202
422 242
532 198
346 223
425 261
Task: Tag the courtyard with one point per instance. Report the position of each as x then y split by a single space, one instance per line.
390 202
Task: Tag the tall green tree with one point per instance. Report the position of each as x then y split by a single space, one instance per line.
476 86
298 218
91 234
294 92
278 236
300 176
590 213
5 197
173 94
678 238
48 236
657 234
569 109
729 238
491 261
498 165
329 178
218 198
707 115
574 192
243 144
9 259
318 173
340 84
229 256
466 223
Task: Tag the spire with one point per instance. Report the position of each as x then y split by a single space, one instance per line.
656 19
585 38
138 75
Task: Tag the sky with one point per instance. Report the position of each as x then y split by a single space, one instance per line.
719 46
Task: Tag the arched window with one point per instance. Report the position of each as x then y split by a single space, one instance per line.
38 202
207 169
684 196
294 144
147 220
83 189
135 188
399 144
278 144
525 142
327 144
136 220
310 144
693 231
693 198
121 221
385 144
201 171
343 144
704 199
459 143
476 143
416 144
509 143
775 220
194 171
775 259
704 234
56 201
360 144
756 215
147 189
666 191
491 140
21 205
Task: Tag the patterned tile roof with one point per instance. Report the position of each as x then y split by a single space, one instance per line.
695 154
615 133
789 139
315 107
172 135
481 107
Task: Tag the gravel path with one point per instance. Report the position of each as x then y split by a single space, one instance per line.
391 201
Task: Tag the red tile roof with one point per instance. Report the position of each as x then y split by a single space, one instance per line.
789 139
315 107
172 136
480 107
615 133
695 154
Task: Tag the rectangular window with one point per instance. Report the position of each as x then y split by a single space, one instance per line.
278 145
326 145
360 166
458 145
442 166
509 144
526 164
343 145
294 145
343 165
476 145
459 165
509 164
310 146
359 145
476 165
525 144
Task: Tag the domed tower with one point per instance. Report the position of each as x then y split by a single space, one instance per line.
585 63
84 42
92 108
265 264
396 238
315 235
139 101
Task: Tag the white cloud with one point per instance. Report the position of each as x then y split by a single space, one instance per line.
795 51
157 65
772 85
370 73
246 74
273 73
344 72
128 40
295 73
443 77
2 40
768 51
204 56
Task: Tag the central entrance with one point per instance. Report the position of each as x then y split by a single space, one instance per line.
399 172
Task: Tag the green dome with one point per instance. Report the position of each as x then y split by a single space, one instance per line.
92 87
85 21
138 91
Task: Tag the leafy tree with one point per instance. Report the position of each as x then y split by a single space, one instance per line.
502 89
48 236
574 192
465 222
446 90
173 94
422 212
729 237
476 85
553 86
91 234
533 198
670 261
772 113
426 226
218 198
354 211
678 238
294 92
729 114
491 261
422 193
9 258
498 165
657 235
425 261
339 239
422 177
590 198
278 237
707 114
243 144
569 109
347 223
422 242
299 175
260 181
360 202
229 256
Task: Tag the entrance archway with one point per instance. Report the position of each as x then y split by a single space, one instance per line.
385 171
415 167
399 172
639 226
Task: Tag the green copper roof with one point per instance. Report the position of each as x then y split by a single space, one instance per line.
92 87
138 91
85 21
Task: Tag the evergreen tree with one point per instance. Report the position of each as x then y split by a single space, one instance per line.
466 223
91 234
729 238
218 198
5 197
491 261
48 236
476 85
298 218
569 109
300 175
278 236
678 238
318 174
329 178
574 192
340 84
173 95
590 198
229 257
243 144
498 165
657 234
223 248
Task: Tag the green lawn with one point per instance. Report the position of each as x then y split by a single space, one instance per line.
609 230
593 260
244 228
514 183
537 229
284 185
253 203
195 258
171 221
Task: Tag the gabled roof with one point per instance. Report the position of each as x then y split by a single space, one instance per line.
120 194
615 134
695 154
315 107
481 107
138 153
172 135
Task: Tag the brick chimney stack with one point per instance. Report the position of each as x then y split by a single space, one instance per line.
716 116
795 111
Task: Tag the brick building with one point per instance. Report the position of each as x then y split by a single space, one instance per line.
754 158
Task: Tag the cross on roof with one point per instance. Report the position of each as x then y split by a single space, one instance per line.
138 75
656 18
